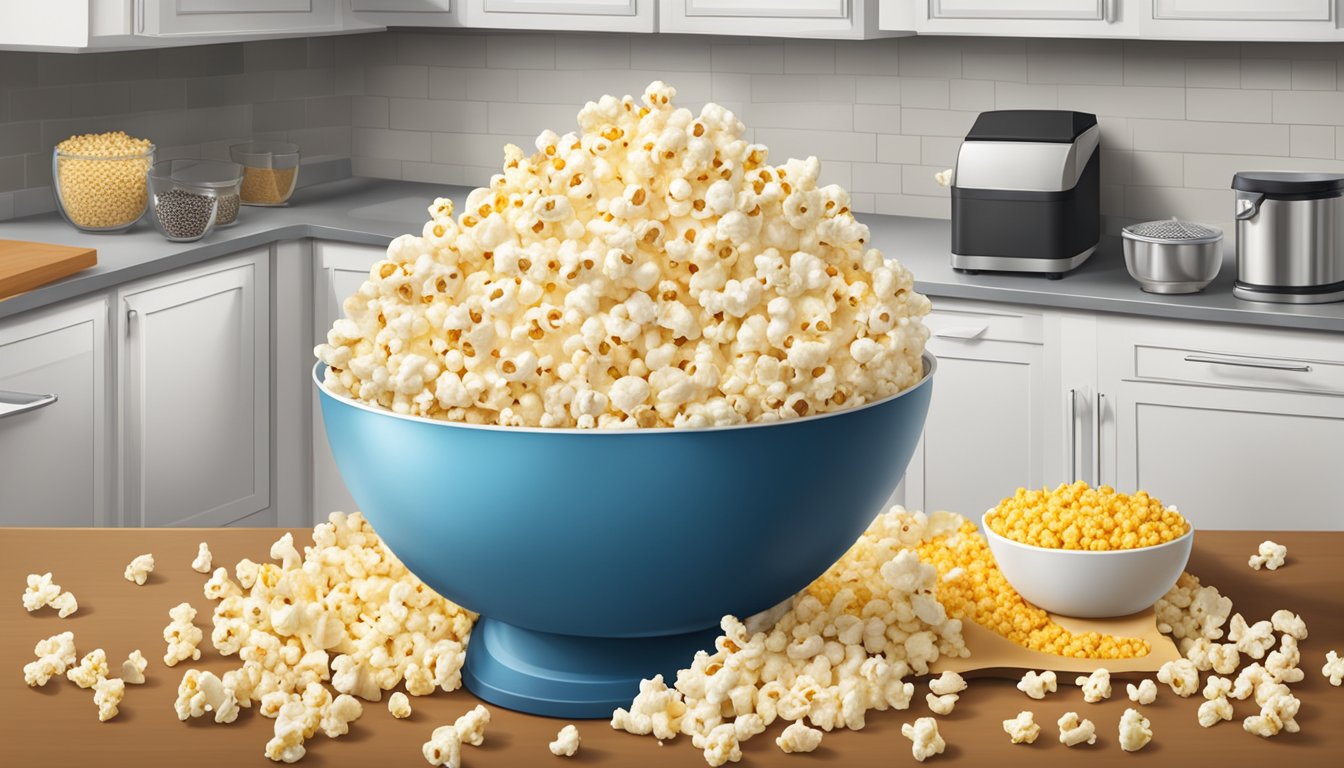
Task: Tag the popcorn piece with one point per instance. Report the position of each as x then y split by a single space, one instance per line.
1036 686
657 710
65 604
343 710
1282 664
350 675
107 695
1214 710
1270 555
1254 639
1217 687
182 636
1334 668
444 747
286 746
139 569
797 737
1180 675
1135 731
948 682
40 592
1023 728
941 705
926 741
1074 730
471 726
1096 686
55 655
1145 693
219 586
91 669
720 745
1277 714
566 742
133 668
284 551
399 705
1289 623
1190 611
200 692
1249 681
202 562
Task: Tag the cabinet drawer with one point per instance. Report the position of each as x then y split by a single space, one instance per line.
1221 356
968 322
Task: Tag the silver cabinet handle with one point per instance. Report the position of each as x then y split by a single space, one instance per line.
1096 430
1073 435
12 403
1108 11
1273 366
962 332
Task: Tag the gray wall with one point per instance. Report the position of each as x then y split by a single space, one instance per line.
1177 118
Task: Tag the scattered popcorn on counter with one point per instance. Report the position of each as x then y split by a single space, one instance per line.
1074 730
1022 729
133 668
1190 611
797 737
1135 731
926 741
471 726
1180 675
107 696
284 551
55 655
41 592
1145 693
139 569
721 744
941 705
1036 686
1277 714
1214 711
182 636
1217 687
444 747
947 682
1334 668
1096 686
1270 555
656 709
201 692
1289 623
566 742
202 562
1253 639
1282 664
339 714
650 270
91 669
1206 655
399 705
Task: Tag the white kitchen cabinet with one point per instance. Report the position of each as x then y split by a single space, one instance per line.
339 270
171 18
1240 427
1028 18
193 355
1292 20
54 417
996 420
840 19
567 15
407 13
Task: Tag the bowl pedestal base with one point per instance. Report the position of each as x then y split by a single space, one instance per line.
567 675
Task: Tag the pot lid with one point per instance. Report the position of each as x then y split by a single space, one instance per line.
1172 231
1288 182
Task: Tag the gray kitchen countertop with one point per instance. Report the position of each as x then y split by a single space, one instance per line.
373 211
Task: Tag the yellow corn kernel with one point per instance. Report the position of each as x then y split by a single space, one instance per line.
1076 516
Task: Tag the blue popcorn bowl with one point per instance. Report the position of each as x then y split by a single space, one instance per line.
600 557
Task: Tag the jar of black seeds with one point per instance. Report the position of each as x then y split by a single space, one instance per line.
180 179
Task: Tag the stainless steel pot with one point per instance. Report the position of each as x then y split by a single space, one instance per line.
1172 256
1290 236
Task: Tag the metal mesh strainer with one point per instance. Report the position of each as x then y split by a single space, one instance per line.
1172 231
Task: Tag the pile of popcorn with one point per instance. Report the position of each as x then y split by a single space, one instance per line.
649 270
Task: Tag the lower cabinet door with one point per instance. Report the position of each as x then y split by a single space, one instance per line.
1230 458
53 416
194 352
340 269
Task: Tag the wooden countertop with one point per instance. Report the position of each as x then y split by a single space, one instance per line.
57 725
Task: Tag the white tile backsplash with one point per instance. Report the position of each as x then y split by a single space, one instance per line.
1177 118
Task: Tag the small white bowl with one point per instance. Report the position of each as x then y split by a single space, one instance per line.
1086 584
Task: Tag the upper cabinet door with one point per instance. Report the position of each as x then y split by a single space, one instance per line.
1294 20
406 13
568 15
1028 18
194 358
842 19
171 18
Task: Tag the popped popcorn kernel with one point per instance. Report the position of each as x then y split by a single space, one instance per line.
1180 675
1096 686
1144 693
133 668
1270 555
399 705
1037 685
566 742
1022 729
107 696
797 737
139 568
1075 730
1334 668
1135 731
202 562
925 739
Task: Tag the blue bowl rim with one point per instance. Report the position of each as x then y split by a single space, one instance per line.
930 367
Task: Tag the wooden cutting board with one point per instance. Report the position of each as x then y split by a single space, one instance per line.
993 655
24 266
